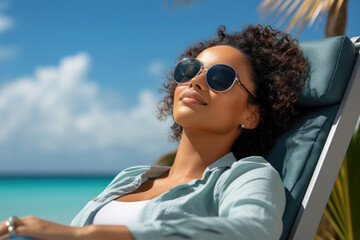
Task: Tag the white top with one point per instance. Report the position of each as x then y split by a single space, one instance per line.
119 213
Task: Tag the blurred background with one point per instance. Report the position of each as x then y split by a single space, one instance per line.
78 89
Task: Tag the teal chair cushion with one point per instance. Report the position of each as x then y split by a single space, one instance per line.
295 155
297 151
331 60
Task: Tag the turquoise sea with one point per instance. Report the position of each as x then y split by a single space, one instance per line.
56 199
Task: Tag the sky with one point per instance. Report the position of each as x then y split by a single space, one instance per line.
79 79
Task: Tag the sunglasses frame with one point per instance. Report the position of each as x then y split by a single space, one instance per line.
218 64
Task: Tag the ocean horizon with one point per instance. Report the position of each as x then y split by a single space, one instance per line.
53 198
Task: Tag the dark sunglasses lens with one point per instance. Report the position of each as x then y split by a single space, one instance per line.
220 77
186 69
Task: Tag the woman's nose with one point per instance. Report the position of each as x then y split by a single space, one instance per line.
199 81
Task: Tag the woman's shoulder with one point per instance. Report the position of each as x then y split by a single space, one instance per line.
250 163
249 168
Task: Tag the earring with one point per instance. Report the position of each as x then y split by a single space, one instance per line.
243 125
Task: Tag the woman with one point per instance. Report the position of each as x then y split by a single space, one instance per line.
231 97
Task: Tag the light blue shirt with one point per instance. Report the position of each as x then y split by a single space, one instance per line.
242 199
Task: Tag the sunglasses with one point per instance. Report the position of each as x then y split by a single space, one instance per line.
219 77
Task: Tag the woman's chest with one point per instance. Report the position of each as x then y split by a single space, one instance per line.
172 200
184 200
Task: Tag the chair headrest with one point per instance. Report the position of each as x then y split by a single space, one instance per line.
331 62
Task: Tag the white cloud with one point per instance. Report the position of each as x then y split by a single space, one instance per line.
5 23
157 68
58 110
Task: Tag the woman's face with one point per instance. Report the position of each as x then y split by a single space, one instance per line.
217 112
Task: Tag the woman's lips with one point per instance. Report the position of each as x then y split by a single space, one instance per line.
192 97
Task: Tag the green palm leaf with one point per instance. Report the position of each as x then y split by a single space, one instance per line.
167 159
353 161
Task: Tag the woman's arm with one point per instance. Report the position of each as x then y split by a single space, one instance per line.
40 229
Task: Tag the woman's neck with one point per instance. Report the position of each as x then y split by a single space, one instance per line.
198 150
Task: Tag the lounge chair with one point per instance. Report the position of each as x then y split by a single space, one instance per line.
309 155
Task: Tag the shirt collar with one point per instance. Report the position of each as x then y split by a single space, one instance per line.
225 161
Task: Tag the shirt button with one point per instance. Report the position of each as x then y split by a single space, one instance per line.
95 198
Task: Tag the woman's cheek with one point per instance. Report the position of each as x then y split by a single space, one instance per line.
228 113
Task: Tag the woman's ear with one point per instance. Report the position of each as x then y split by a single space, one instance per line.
252 117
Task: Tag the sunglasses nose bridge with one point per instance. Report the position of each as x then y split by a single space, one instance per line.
199 79
200 72
203 69
206 67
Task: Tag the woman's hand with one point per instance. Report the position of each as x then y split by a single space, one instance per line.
34 227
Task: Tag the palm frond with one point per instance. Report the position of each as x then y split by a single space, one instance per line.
338 6
317 12
299 13
167 159
342 210
326 5
281 9
353 161
334 212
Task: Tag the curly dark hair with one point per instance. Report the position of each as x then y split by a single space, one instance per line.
278 69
